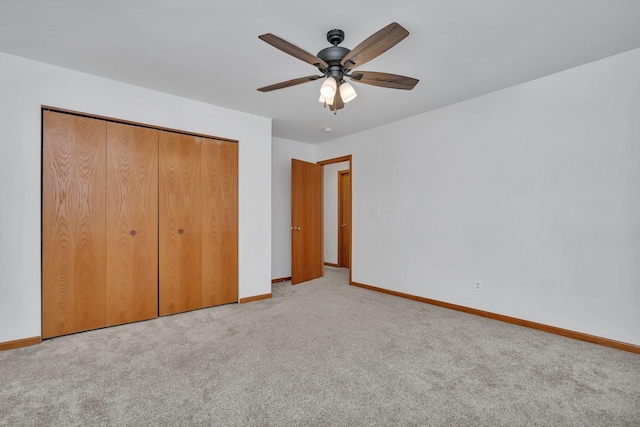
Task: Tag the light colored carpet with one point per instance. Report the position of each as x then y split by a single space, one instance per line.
322 353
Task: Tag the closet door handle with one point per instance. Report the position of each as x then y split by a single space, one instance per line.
133 232
181 231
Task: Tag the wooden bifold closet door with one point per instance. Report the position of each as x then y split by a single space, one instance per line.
116 198
132 223
100 221
219 160
73 224
198 222
180 225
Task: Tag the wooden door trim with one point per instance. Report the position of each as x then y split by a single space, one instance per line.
341 220
129 122
336 160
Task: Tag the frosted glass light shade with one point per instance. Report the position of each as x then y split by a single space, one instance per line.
328 101
347 92
329 87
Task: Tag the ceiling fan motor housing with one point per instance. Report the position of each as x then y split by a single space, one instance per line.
333 55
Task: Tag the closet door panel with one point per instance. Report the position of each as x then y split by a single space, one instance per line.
73 223
219 222
132 224
180 223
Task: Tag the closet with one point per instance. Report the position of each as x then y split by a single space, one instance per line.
136 222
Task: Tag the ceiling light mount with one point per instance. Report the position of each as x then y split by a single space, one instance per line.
335 37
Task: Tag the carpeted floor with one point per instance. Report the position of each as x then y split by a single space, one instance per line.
322 353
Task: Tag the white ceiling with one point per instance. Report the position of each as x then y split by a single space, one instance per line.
209 50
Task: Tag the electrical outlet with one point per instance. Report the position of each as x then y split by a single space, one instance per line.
478 287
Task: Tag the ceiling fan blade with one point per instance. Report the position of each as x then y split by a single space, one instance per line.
293 50
375 45
338 103
288 83
393 81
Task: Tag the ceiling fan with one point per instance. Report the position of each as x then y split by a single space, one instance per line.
337 62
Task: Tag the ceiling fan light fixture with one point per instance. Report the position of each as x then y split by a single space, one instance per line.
347 92
329 87
334 63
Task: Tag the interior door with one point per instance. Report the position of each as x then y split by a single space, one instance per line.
132 223
306 221
73 223
219 222
180 223
344 219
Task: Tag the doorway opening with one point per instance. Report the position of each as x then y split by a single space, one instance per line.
337 212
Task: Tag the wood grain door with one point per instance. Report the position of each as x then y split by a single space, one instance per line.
132 223
306 221
73 223
219 161
180 231
344 219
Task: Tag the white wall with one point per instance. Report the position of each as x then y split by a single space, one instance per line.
331 210
25 85
535 190
282 152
